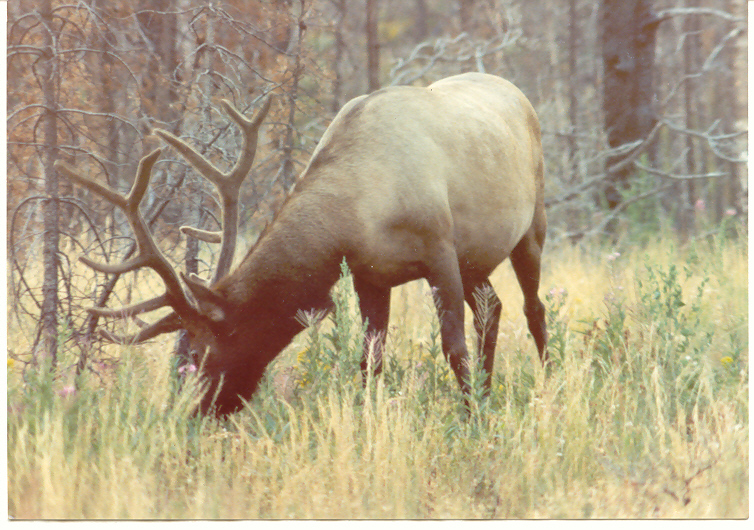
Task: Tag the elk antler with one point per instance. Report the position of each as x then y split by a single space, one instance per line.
148 255
228 184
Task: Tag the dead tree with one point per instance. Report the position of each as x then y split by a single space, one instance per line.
627 34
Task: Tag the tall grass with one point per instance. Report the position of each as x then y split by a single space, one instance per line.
643 412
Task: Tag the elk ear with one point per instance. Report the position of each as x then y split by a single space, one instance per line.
210 303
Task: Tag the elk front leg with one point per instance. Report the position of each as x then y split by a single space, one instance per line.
374 303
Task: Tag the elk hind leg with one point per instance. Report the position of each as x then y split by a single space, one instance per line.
485 306
525 258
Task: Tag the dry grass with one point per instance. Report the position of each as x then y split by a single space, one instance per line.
643 414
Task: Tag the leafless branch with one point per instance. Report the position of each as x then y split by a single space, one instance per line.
686 11
459 49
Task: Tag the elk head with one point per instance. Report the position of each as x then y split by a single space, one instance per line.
195 306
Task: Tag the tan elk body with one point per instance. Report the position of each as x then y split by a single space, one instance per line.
443 183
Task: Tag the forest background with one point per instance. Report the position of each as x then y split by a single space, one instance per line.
88 81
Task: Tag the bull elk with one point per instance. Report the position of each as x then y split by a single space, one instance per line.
443 183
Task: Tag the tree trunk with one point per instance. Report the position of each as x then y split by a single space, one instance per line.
158 84
690 66
573 88
288 167
373 46
340 50
192 214
734 112
465 11
627 34
49 317
422 21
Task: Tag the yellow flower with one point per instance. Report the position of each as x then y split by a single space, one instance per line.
726 360
301 356
11 362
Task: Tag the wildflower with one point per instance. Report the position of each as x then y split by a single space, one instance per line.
613 256
11 362
700 205
730 212
434 291
557 292
726 360
301 355
187 368
67 390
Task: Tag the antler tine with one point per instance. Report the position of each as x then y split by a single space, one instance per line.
202 235
114 268
235 176
107 193
125 203
131 310
250 128
166 324
228 184
149 254
202 165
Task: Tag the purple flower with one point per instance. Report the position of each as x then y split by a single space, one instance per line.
187 368
67 390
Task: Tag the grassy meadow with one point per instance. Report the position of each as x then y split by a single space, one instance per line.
642 413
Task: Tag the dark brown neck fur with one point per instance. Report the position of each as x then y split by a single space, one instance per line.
292 268
294 264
